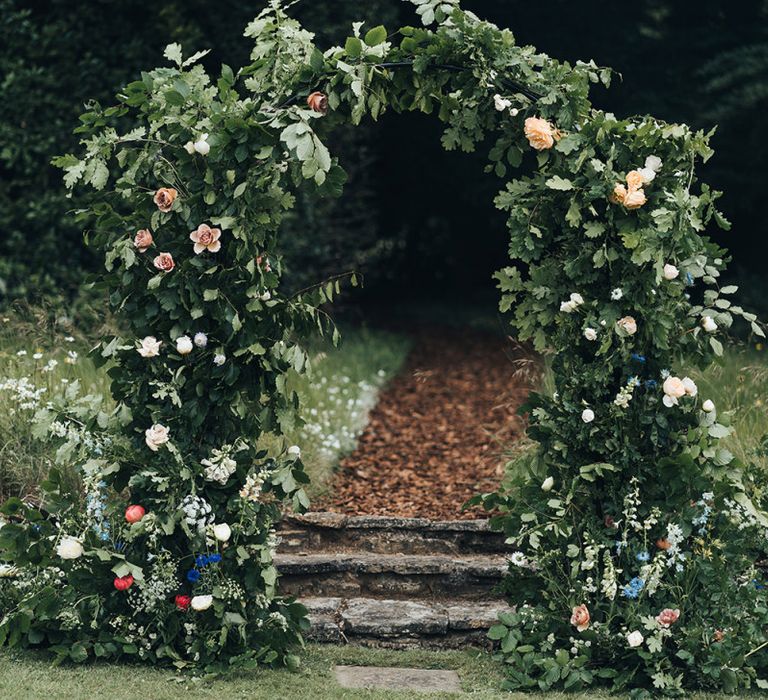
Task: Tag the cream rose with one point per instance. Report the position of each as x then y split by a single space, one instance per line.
164 198
708 406
590 334
547 484
674 389
164 262
635 639
206 238
149 346
202 146
222 532
653 163
708 324
670 272
69 548
156 436
294 451
184 345
587 415
142 240
540 133
627 324
201 602
635 199
690 386
580 617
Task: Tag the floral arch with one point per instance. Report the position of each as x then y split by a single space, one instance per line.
610 270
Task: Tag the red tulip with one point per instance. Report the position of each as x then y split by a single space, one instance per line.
134 513
182 602
123 583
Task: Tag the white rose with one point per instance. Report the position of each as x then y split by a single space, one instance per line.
184 345
635 639
577 299
500 103
219 359
647 174
201 145
690 386
201 602
567 307
201 340
587 415
155 436
189 147
670 272
653 163
150 347
590 334
708 324
222 532
294 451
547 484
69 548
708 406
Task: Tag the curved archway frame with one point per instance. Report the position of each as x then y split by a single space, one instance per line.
605 237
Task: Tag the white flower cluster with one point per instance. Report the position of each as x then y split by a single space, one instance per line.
197 512
251 490
220 466
573 303
625 393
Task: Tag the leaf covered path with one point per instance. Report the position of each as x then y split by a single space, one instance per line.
438 433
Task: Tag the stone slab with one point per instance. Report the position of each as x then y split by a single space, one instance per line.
397 678
392 618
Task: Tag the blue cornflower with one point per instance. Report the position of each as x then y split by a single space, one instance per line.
193 575
633 588
119 546
201 560
214 558
643 556
638 358
758 586
651 384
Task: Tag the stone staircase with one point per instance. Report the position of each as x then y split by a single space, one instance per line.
393 582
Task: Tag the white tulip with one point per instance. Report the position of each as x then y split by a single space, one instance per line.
587 415
201 602
202 146
708 406
547 484
635 639
670 272
201 340
69 548
708 324
222 532
590 334
184 345
150 347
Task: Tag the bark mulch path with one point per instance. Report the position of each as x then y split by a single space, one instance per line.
437 435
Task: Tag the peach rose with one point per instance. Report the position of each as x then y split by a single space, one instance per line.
619 194
206 238
580 617
143 240
628 325
635 199
318 102
635 180
667 617
540 133
164 198
164 262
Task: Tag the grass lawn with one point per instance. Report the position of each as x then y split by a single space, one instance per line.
31 677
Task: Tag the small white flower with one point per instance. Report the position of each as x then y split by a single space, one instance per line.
69 339
616 294
149 346
189 147
266 296
653 163
38 356
514 111
690 386
222 532
201 602
547 484
590 334
184 345
518 559
201 340
708 324
69 548
587 415
155 436
670 272
294 451
635 639
708 406
219 359
202 146
501 103
21 353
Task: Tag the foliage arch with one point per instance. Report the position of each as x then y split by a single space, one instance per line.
606 234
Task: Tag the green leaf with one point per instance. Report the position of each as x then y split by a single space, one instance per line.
353 47
559 183
376 36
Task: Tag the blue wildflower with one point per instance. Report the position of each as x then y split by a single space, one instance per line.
119 546
651 384
638 358
633 588
214 558
643 556
201 560
758 586
193 575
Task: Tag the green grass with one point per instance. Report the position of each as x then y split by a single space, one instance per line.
30 676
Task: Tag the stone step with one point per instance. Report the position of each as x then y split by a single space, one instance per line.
318 532
391 576
400 624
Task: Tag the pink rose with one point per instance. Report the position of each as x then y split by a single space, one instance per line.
143 240
164 198
164 262
206 238
262 261
580 617
667 617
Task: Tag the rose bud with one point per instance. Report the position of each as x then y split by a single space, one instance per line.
123 583
318 102
143 240
183 602
134 514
